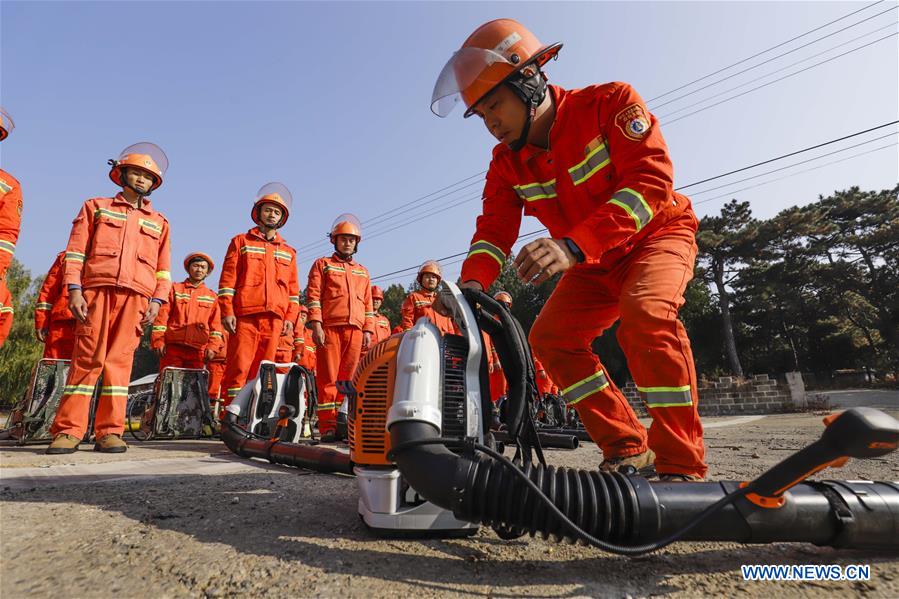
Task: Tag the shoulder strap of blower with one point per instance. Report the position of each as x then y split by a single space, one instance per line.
514 353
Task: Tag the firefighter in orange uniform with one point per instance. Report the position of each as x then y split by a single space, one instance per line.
592 166
290 347
382 324
306 350
117 266
188 331
418 303
216 368
341 317
258 291
54 324
10 223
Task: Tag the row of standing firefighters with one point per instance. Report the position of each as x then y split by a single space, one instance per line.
591 164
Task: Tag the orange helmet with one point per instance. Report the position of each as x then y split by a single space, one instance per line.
377 293
6 124
273 193
194 256
145 156
491 55
431 266
346 224
504 297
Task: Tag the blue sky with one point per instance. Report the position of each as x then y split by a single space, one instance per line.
333 100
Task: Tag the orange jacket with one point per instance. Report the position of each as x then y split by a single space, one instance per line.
114 244
10 218
221 352
191 318
606 183
292 345
53 298
544 383
382 328
339 293
418 304
259 276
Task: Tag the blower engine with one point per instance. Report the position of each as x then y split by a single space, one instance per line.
425 460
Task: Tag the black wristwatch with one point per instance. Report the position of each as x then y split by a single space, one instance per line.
574 249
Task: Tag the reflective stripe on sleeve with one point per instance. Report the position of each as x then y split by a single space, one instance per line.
634 204
485 247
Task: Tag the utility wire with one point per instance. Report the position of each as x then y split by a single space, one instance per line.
807 149
796 49
756 55
817 64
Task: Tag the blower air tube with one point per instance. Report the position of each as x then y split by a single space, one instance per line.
632 511
310 457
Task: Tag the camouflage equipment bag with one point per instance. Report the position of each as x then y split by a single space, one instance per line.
179 406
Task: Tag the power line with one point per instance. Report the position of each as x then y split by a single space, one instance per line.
808 170
746 70
682 187
747 59
769 83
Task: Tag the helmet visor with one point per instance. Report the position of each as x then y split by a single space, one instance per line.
276 189
347 217
471 72
148 149
6 121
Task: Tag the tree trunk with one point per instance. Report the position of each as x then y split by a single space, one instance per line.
724 304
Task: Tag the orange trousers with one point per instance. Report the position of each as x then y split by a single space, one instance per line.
60 340
336 361
256 339
216 373
6 311
498 385
181 356
644 291
104 346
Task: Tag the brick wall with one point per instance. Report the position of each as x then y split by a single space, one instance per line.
730 396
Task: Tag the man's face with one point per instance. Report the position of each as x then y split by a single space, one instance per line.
138 179
429 281
503 113
345 244
376 304
270 215
198 270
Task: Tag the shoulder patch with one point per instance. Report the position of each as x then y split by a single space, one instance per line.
633 122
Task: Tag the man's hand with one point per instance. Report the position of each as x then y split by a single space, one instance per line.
150 314
541 259
209 355
287 329
41 334
160 350
230 323
318 334
77 305
366 340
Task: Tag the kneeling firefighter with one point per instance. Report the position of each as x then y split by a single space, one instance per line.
592 166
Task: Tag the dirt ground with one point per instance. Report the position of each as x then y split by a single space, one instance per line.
188 519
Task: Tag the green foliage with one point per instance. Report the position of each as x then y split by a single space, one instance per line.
393 303
22 349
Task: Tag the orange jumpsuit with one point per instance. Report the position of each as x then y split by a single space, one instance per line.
259 286
51 314
305 346
216 366
606 184
339 296
418 304
382 328
290 347
120 257
185 326
10 223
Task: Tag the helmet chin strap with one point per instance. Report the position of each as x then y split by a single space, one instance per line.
532 91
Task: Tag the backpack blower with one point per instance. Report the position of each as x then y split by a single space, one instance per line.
426 463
